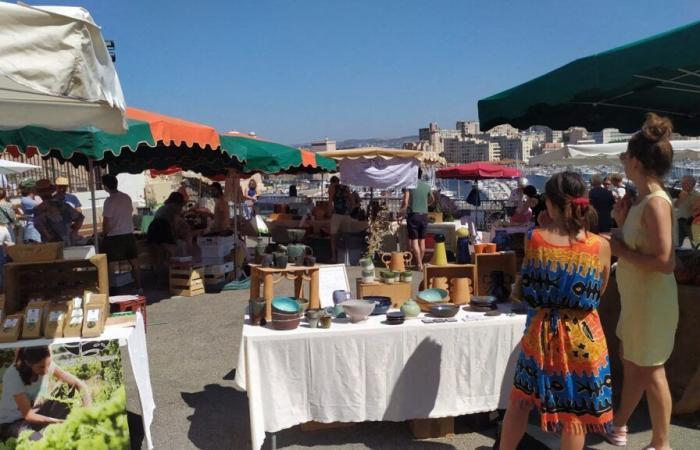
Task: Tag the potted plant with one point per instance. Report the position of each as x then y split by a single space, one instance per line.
407 276
388 276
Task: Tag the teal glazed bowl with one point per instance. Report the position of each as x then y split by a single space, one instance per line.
285 305
433 295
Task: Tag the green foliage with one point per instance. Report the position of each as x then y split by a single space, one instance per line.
100 426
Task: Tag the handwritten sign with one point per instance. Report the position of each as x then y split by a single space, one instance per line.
333 277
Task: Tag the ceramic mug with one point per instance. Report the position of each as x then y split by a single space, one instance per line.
267 260
256 310
340 296
480 248
281 260
309 261
299 260
490 248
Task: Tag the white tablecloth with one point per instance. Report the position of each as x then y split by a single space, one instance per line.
135 340
375 372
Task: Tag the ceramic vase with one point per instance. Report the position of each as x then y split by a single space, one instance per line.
256 310
410 308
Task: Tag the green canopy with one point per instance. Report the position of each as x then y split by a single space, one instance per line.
610 89
269 157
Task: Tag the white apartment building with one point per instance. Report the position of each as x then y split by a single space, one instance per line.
577 134
504 130
460 151
468 128
322 146
608 135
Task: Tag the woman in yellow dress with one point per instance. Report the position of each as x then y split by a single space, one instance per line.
648 292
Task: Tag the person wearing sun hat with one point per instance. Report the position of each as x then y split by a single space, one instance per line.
56 220
63 195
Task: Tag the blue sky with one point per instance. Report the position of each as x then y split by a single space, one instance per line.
294 71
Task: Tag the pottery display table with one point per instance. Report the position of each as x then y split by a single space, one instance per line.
375 372
448 271
269 276
399 291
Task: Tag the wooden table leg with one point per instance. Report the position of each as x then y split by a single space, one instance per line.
299 286
268 293
254 283
314 294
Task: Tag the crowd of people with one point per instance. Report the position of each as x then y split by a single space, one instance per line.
563 370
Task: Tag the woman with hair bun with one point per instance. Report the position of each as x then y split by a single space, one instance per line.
563 369
648 292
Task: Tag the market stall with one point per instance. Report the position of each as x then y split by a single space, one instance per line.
373 372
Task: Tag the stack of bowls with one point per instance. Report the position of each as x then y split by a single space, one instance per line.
395 318
381 304
285 313
429 297
482 303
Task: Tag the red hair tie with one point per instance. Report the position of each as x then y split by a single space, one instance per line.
581 201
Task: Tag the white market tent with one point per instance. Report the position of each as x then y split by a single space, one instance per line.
607 154
55 71
9 167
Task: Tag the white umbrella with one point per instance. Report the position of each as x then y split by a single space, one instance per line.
55 71
8 167
607 154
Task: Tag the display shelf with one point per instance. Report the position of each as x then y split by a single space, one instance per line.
449 271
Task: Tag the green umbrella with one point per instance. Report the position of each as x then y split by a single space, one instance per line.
269 157
611 89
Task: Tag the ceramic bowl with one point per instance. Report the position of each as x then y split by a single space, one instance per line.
444 310
287 324
314 313
433 295
381 303
357 310
285 305
284 316
482 300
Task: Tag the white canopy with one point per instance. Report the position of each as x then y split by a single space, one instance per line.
607 154
55 71
9 167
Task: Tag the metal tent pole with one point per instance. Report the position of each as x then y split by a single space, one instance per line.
91 178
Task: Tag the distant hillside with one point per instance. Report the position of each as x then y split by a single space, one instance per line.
370 142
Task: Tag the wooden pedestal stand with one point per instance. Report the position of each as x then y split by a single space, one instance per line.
399 291
266 276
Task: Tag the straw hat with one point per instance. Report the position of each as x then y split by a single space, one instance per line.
44 186
62 181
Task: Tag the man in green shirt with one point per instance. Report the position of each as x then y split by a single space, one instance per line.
415 204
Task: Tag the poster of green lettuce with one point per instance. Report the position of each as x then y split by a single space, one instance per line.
66 396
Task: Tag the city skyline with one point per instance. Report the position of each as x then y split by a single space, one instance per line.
296 73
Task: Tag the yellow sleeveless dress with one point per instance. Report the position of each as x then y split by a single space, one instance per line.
649 300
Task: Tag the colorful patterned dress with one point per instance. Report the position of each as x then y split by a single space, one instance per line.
563 368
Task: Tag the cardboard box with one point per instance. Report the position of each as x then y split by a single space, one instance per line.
55 320
73 326
95 314
11 328
33 320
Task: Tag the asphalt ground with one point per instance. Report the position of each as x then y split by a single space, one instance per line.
193 346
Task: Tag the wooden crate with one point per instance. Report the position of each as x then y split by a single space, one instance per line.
449 271
186 280
28 253
488 262
432 428
55 278
399 291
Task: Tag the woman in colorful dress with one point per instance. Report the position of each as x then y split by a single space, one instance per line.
648 291
563 369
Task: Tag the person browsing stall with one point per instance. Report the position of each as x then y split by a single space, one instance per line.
684 203
63 195
415 203
118 228
27 204
56 220
564 274
25 382
222 211
603 201
341 204
648 291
